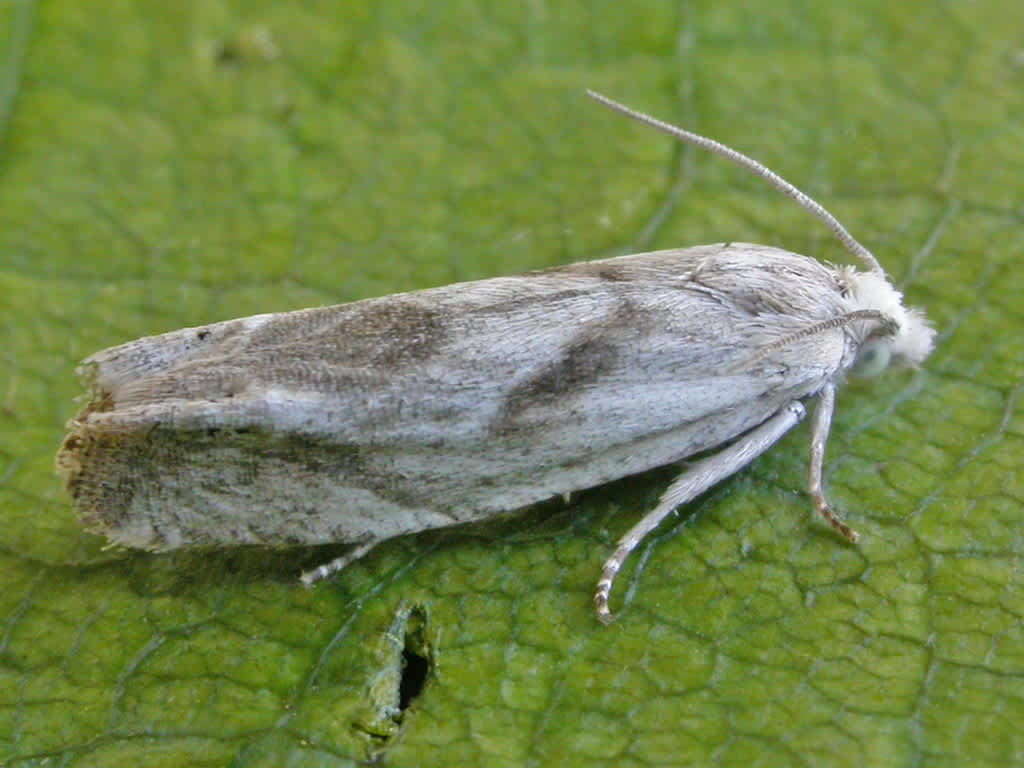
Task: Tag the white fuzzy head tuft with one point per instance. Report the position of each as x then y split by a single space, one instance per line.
914 338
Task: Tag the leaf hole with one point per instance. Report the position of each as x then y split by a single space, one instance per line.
406 663
415 669
416 660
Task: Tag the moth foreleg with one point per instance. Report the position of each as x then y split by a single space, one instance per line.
694 481
821 423
309 578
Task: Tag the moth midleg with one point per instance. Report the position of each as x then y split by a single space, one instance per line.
821 423
694 481
321 572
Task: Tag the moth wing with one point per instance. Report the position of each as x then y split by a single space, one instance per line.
110 369
637 359
447 404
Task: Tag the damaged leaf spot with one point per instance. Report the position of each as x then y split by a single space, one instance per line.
415 666
406 663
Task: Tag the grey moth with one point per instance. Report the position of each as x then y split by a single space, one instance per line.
377 418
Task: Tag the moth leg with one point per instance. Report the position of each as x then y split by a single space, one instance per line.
694 481
321 572
821 422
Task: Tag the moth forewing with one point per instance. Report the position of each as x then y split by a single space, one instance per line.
364 421
524 388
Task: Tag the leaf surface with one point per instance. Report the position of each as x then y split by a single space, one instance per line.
168 165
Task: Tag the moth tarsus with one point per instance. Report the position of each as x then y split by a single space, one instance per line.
698 478
331 567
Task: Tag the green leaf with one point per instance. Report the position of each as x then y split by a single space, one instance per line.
165 165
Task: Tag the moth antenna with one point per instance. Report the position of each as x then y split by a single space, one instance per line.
805 201
890 326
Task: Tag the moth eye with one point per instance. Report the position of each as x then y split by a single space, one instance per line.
873 357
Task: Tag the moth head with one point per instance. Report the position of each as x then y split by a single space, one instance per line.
905 341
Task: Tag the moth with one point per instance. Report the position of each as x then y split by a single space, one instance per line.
377 418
